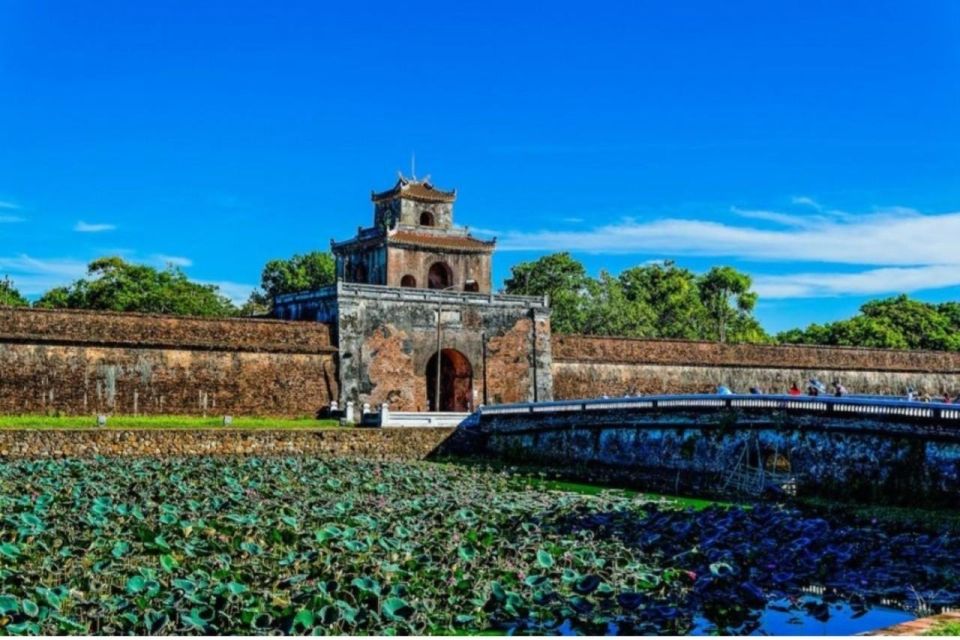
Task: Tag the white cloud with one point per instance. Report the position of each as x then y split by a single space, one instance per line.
804 200
34 276
176 261
86 227
573 220
898 237
11 219
901 249
786 219
8 205
870 282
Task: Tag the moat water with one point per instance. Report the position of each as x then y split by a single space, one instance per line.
811 616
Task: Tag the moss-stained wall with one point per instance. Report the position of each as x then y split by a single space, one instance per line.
836 457
376 444
85 363
589 367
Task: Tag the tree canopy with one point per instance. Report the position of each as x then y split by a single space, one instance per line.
301 272
9 296
115 285
895 323
562 278
659 300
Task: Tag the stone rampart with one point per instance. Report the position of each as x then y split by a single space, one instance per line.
375 444
72 363
586 366
106 329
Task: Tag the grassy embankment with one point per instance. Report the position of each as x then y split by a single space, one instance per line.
945 629
160 422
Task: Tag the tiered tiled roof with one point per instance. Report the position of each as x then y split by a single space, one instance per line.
448 242
415 190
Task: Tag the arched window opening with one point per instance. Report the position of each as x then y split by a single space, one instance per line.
408 281
440 276
426 219
471 286
456 382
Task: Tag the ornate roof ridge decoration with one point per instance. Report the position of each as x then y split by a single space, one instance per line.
413 189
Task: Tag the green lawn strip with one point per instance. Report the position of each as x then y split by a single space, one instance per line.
945 629
160 422
537 477
584 488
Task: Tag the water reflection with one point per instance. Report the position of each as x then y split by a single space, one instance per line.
811 616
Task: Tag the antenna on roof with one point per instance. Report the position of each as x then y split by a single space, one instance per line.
413 165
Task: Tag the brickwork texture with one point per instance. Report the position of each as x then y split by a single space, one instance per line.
85 363
375 444
588 367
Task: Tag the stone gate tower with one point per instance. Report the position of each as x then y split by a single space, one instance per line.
414 243
416 322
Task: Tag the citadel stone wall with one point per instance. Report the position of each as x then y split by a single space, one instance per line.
585 366
74 362
374 444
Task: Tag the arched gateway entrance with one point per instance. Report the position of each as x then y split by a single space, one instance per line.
456 382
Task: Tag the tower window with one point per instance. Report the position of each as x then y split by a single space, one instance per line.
440 276
426 219
360 273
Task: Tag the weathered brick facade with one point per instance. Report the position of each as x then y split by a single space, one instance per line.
75 362
373 444
495 349
591 366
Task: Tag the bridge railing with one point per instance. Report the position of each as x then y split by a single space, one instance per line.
857 405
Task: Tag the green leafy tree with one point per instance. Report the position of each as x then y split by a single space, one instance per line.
922 325
727 298
9 296
301 272
562 278
670 295
891 323
610 312
115 285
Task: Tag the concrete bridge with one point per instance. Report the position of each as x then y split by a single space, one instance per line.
860 447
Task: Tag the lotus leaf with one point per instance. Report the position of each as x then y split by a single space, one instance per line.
368 585
168 562
397 609
299 545
544 558
8 605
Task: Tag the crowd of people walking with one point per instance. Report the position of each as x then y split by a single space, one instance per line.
815 387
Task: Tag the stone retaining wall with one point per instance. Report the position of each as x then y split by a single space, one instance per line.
589 366
374 444
81 363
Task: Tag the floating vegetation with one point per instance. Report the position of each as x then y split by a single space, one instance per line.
305 546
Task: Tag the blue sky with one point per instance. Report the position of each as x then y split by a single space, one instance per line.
815 145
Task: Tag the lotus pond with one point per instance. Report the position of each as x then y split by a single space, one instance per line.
223 545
